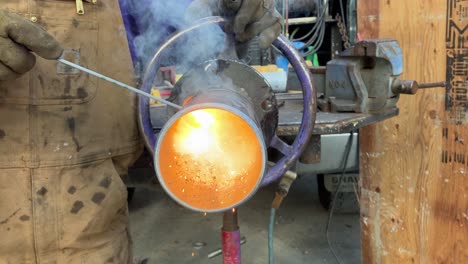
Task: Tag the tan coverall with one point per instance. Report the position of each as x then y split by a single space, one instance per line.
66 138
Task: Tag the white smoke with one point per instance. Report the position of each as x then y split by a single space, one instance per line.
157 20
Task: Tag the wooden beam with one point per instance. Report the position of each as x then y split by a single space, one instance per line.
414 184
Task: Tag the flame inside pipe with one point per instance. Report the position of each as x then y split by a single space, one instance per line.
210 159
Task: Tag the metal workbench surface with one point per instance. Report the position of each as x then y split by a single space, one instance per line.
326 123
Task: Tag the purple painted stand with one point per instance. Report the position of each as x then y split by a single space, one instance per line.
231 238
231 247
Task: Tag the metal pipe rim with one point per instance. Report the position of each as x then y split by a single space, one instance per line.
253 125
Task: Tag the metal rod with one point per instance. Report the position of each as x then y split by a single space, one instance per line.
219 251
123 85
306 20
432 85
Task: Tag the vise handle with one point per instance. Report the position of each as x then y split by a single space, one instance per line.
412 86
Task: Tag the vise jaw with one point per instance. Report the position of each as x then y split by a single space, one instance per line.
361 78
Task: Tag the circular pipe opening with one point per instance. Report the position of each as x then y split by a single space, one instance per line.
210 157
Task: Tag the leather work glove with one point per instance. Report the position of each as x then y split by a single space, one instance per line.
250 18
18 39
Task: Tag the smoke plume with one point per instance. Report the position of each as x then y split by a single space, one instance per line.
158 19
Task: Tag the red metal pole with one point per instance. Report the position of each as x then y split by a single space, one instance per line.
231 238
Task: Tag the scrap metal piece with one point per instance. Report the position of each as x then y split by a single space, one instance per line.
219 251
198 245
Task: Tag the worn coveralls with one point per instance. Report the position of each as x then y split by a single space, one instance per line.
66 138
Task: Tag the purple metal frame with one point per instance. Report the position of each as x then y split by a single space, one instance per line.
309 91
292 152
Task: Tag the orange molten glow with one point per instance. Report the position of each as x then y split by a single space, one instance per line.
210 159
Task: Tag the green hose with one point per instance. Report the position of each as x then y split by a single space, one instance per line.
271 255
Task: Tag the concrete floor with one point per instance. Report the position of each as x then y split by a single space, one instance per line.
165 232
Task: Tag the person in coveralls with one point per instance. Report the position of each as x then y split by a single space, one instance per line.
67 138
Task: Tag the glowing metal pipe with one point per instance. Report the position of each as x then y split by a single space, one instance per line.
211 155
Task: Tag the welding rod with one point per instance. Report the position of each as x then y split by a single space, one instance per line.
123 85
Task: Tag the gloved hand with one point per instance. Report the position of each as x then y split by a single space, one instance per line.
18 38
251 18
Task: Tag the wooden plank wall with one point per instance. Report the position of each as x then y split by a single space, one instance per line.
414 184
